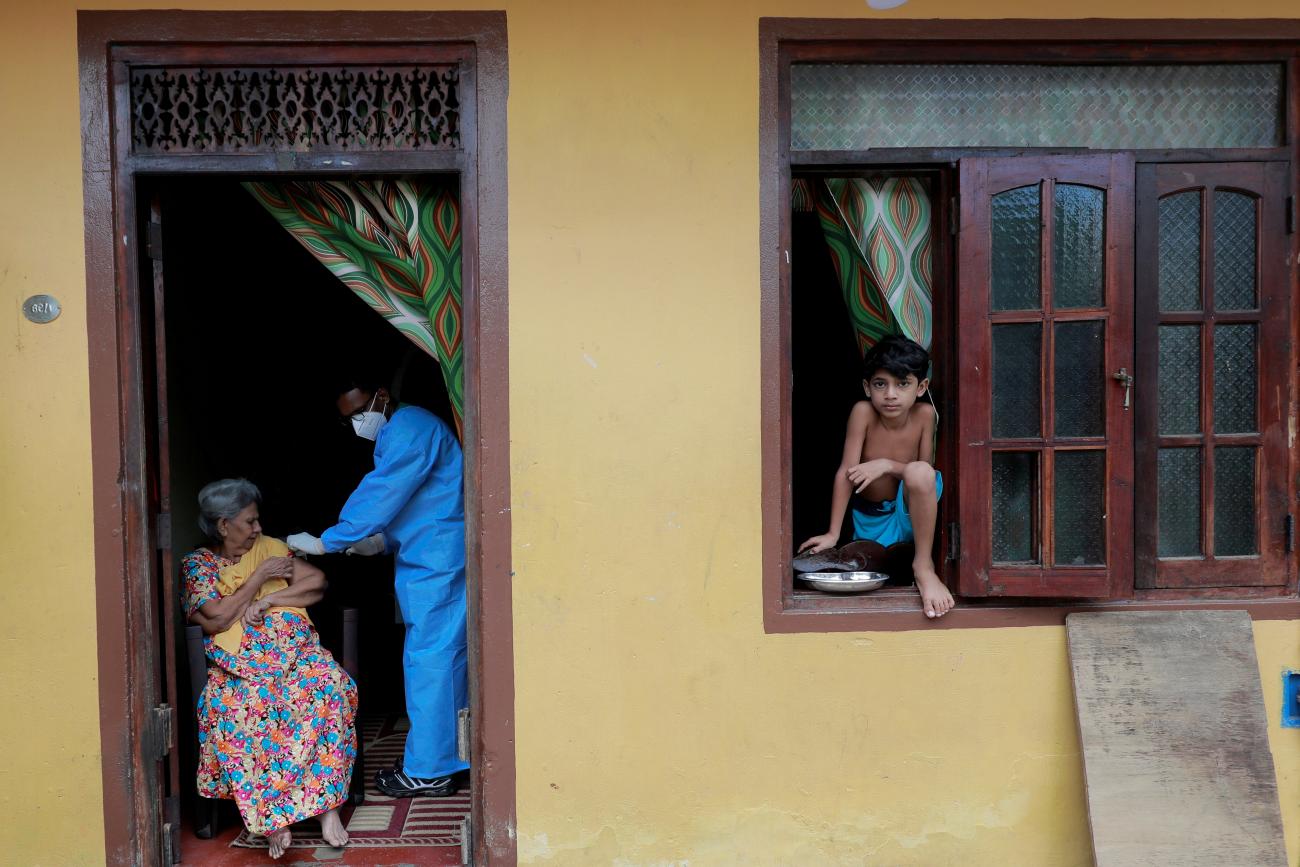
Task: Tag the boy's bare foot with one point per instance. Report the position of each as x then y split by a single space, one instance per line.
331 828
935 598
278 841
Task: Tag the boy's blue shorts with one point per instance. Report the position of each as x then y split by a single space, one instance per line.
887 523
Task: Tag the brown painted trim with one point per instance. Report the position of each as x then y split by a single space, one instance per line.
273 164
1013 48
171 26
906 616
786 40
829 162
106 454
774 238
1293 246
121 527
1142 30
487 367
293 54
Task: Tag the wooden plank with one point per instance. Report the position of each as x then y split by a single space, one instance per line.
1175 743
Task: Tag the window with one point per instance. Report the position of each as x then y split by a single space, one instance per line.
1112 306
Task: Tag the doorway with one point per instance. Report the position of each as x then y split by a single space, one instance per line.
256 333
123 54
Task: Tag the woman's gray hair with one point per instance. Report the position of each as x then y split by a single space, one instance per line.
225 498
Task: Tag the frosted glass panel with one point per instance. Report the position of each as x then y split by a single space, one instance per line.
1234 379
1234 501
1017 379
1016 249
1079 218
1180 251
851 106
1080 527
1234 251
1180 379
1178 486
1080 379
1015 486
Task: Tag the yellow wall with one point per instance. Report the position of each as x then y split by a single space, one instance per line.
656 722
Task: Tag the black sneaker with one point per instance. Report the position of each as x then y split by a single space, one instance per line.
397 784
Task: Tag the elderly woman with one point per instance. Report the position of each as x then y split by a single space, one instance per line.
277 718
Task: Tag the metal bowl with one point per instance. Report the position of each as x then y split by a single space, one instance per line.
845 582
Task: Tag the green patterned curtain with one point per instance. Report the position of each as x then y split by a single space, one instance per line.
878 232
802 198
396 244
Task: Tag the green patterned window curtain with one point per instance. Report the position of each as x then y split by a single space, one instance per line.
879 234
396 244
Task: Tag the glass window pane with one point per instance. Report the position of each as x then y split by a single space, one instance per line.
1079 532
1234 501
1015 255
1180 251
1080 397
1180 379
1178 489
1234 251
1015 489
843 106
1017 383
1079 219
1234 378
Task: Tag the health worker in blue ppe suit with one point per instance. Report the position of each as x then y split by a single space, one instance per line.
412 504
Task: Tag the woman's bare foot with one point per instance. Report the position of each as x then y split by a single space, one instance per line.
278 841
331 828
935 598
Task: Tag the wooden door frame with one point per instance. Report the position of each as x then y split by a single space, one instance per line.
123 534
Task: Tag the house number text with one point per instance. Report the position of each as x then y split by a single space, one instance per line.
41 308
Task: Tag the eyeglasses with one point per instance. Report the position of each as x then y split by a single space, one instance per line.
348 420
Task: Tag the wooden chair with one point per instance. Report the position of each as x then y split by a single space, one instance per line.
207 810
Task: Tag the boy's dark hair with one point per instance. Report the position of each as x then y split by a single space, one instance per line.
897 356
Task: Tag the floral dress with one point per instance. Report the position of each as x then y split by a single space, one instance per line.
277 720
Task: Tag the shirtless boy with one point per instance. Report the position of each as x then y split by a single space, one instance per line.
887 473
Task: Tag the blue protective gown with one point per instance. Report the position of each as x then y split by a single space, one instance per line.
414 496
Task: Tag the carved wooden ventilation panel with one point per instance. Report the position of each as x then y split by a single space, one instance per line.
192 110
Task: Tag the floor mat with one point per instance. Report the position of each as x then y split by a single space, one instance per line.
383 821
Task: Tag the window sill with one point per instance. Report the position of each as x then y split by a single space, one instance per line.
895 609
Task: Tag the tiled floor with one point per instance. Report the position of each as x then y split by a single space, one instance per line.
217 852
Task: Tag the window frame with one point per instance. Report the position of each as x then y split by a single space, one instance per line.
783 42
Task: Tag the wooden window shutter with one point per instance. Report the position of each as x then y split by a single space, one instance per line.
1045 350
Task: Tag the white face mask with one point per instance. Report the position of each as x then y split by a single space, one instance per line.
370 423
